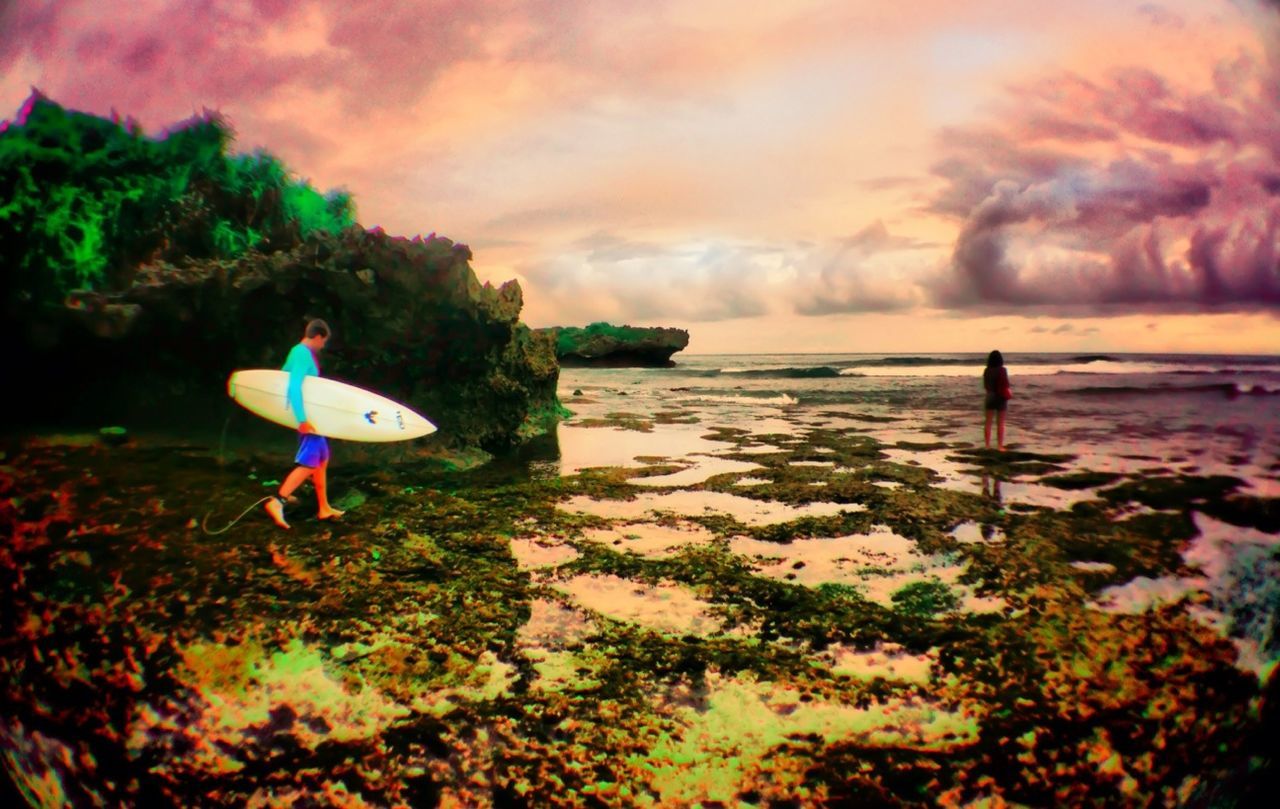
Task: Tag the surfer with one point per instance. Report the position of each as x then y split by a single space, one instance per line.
995 380
313 450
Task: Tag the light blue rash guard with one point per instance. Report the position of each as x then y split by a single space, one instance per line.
300 363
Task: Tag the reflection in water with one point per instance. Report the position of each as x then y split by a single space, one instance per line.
588 447
991 487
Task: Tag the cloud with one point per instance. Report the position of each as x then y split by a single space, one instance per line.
195 53
604 277
861 273
875 238
1119 193
890 183
1065 328
1161 17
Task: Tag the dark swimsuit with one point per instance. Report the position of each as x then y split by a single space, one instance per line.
993 379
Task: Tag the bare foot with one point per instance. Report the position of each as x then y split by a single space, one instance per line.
275 509
330 514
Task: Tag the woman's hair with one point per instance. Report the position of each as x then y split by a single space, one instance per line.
995 360
317 328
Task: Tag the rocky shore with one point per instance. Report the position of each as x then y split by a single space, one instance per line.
799 615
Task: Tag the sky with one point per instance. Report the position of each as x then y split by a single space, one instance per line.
809 176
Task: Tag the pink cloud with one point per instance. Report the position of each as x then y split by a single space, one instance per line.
1126 191
144 55
1161 16
25 26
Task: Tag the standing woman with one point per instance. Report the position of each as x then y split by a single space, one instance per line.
995 380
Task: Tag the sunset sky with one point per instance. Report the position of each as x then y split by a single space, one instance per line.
819 175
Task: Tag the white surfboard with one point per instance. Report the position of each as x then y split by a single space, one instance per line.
334 408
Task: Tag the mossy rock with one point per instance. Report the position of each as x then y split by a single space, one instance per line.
1009 464
920 446
1075 481
864 417
603 344
900 473
114 436
925 599
620 421
1045 543
1174 491
1247 511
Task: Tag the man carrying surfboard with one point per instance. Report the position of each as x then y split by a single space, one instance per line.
313 450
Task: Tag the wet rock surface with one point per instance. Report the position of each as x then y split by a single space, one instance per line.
535 636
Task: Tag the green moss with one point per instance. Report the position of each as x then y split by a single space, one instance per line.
925 598
1008 464
619 420
1173 491
922 447
542 418
570 338
433 679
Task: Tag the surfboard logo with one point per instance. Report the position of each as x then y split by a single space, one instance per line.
371 416
399 419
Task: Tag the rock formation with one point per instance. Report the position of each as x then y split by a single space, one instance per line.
143 325
604 345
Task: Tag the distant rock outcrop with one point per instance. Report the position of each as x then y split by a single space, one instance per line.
605 345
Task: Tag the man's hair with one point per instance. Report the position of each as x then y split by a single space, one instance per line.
317 328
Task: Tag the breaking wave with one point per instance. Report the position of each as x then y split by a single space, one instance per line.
775 400
800 372
1228 389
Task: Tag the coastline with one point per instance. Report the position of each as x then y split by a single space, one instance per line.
684 600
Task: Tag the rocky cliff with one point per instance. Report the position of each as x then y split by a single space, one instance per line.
602 344
222 266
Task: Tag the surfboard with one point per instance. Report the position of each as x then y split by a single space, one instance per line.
335 409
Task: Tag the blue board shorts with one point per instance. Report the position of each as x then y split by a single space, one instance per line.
313 451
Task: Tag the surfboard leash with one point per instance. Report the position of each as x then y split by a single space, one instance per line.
222 443
231 524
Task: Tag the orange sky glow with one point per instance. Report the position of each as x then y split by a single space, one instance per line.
818 176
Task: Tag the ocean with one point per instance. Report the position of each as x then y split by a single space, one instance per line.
1195 412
